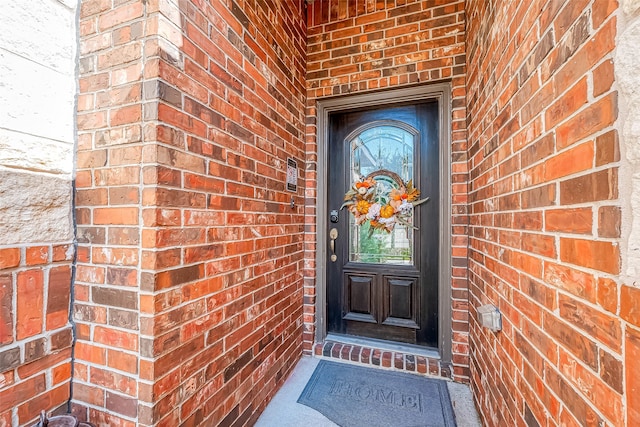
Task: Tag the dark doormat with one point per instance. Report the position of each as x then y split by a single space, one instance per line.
352 396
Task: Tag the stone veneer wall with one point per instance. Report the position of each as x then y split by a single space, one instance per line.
189 284
358 46
37 96
548 188
626 65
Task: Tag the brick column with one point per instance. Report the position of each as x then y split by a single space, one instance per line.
110 175
189 285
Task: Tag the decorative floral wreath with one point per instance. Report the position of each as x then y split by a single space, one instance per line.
384 207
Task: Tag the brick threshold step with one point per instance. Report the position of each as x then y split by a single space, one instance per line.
376 354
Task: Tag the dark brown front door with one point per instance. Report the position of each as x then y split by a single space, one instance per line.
383 283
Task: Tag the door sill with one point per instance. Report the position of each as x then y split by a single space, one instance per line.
429 352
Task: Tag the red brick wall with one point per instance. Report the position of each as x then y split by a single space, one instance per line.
108 370
35 333
230 244
545 215
189 289
356 46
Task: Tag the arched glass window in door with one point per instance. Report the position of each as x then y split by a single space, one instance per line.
391 148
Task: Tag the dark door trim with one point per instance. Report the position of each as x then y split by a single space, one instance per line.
440 92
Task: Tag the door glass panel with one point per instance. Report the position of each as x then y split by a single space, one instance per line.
381 148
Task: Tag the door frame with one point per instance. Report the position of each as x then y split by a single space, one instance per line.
440 92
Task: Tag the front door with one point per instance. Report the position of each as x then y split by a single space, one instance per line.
382 266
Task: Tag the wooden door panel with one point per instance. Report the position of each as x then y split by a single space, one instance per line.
360 294
401 301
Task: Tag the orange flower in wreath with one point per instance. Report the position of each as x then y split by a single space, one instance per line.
362 187
363 184
397 197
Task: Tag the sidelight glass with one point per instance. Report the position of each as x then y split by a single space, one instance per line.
381 148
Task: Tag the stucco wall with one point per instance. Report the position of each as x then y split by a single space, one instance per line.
37 133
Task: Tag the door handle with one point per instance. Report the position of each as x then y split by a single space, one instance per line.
333 235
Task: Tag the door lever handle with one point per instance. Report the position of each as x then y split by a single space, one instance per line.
333 235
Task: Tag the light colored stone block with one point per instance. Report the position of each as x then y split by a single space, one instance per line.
627 64
46 29
30 152
35 99
34 208
71 4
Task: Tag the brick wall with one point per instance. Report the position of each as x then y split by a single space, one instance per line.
357 46
230 244
545 215
37 63
35 334
108 369
189 286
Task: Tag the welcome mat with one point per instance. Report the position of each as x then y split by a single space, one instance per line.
352 396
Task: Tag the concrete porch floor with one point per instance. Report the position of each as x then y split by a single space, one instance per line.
284 411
